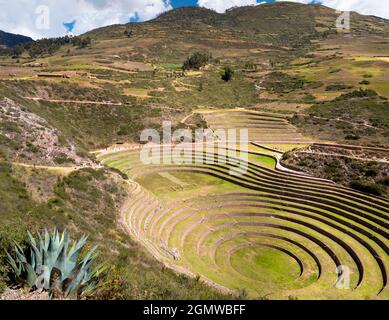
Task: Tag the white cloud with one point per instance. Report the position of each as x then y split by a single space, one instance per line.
222 5
379 8
19 16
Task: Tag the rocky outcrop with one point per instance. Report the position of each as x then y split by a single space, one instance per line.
28 138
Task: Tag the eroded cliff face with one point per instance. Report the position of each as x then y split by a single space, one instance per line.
26 137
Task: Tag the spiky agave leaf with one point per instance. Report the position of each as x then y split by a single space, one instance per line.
76 249
32 259
38 258
20 254
41 241
67 262
53 250
52 266
75 285
31 276
32 240
17 268
47 240
24 272
92 280
61 262
84 275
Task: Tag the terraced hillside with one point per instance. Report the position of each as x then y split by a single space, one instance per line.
262 127
265 232
270 231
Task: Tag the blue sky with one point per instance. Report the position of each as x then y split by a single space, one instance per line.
183 3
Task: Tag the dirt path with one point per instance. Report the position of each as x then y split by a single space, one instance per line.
350 147
103 103
346 121
338 155
187 117
65 170
33 166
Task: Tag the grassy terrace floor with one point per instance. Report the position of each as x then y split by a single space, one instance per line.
268 232
264 128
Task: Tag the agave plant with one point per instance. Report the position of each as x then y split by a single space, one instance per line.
51 266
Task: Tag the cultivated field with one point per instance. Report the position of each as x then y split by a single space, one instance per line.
266 128
267 232
301 88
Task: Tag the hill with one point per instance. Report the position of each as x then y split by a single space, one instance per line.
309 94
11 40
286 24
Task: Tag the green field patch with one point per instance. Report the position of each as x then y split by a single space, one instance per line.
262 160
266 265
192 183
171 66
381 86
80 67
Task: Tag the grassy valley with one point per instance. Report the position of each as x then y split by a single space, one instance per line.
314 100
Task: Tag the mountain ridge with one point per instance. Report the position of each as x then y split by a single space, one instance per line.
10 39
283 23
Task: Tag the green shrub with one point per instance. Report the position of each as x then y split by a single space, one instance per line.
352 137
384 181
197 61
363 186
338 87
361 93
228 73
365 82
372 172
280 82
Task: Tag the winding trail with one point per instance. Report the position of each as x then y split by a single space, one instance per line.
103 103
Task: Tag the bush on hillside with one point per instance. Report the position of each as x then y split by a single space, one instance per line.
46 46
227 74
338 87
361 93
371 188
279 82
365 82
196 61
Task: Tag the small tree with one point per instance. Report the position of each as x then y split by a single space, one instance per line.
196 61
227 74
128 33
86 42
18 50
